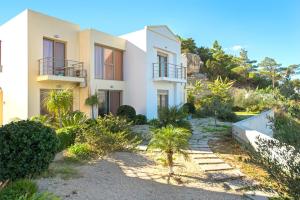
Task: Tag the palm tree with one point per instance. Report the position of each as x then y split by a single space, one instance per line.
170 140
92 101
59 102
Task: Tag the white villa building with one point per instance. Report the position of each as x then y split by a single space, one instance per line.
39 53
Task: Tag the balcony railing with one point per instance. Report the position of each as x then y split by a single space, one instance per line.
59 67
168 70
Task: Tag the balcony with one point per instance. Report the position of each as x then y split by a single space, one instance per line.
169 72
51 69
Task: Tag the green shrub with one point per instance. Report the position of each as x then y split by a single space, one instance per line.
73 119
225 113
40 196
44 119
189 108
108 134
26 149
126 111
171 116
112 123
66 137
286 129
103 142
282 163
140 119
80 151
19 188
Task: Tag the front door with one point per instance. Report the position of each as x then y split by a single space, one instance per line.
108 101
1 107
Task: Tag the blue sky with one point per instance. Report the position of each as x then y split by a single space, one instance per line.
264 27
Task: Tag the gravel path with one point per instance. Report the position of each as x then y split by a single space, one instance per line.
125 176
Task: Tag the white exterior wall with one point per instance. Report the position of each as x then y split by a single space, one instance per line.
159 40
135 70
141 52
14 76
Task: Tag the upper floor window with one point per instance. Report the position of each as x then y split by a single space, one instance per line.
108 63
162 60
54 57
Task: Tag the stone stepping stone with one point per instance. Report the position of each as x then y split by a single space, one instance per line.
209 161
225 175
257 195
215 167
199 151
239 184
200 148
205 156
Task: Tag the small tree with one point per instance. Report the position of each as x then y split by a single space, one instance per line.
271 69
170 140
59 102
92 101
220 94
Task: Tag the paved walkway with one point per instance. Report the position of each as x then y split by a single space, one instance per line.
214 167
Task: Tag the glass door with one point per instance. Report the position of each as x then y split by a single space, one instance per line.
53 57
163 65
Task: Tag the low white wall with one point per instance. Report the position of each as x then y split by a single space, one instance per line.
247 131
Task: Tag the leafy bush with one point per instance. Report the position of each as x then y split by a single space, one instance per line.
44 119
108 134
225 113
283 164
286 129
66 137
113 124
74 119
40 196
27 148
19 188
140 119
171 116
126 111
189 108
80 151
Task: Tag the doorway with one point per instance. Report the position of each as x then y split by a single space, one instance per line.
108 101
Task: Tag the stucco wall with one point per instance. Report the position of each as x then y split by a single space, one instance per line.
247 131
13 78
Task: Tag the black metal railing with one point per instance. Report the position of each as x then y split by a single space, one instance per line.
168 70
59 67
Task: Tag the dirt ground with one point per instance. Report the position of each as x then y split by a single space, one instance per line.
129 176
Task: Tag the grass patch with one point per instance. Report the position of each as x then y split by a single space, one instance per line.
244 115
216 129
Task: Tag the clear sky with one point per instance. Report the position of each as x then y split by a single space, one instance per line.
264 27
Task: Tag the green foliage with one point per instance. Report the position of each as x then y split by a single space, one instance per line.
171 116
73 119
17 189
66 136
271 69
80 151
188 45
59 102
189 108
170 140
140 119
126 111
255 100
108 134
40 196
282 163
92 101
286 129
113 124
44 119
27 148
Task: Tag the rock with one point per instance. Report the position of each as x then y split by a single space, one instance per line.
225 175
240 184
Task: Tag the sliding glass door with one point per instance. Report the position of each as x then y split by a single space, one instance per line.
54 57
108 101
163 65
